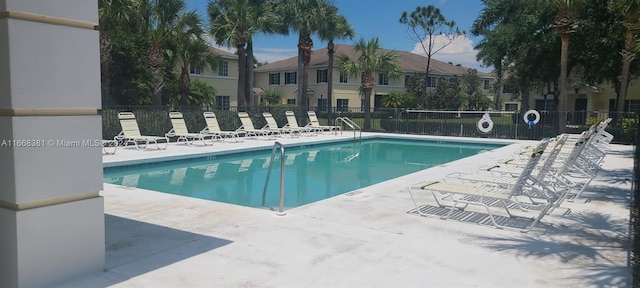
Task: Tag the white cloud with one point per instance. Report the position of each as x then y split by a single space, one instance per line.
460 51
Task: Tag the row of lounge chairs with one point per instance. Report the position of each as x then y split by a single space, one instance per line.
522 189
130 133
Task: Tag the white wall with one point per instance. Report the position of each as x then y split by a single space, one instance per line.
51 214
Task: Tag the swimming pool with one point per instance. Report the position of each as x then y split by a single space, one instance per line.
312 172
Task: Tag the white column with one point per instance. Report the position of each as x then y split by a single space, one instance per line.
51 215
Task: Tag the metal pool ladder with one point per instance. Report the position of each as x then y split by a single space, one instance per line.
351 124
276 145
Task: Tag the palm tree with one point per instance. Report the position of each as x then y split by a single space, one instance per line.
334 27
305 17
233 23
163 17
395 99
113 14
190 49
370 60
564 24
630 11
264 20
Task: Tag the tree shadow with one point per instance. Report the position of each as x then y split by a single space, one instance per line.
616 176
589 243
613 186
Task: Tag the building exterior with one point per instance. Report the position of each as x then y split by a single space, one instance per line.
282 75
224 78
581 98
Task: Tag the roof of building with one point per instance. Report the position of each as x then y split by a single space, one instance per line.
223 53
408 62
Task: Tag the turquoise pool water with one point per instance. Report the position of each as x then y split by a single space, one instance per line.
312 172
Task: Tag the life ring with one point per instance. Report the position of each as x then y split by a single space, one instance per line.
535 120
481 127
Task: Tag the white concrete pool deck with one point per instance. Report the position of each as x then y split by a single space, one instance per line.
362 239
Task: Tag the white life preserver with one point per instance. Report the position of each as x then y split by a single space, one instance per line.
481 127
535 120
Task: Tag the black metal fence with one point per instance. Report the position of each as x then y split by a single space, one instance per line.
635 215
505 125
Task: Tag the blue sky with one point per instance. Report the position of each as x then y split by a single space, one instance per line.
379 18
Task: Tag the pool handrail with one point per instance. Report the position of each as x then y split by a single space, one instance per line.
351 124
266 183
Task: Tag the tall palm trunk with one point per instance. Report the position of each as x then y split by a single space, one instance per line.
367 86
305 46
105 67
627 57
185 86
331 50
242 71
562 99
300 95
249 64
156 64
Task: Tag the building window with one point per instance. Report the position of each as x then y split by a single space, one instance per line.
290 78
343 78
510 106
383 79
194 69
629 106
274 78
632 106
361 105
542 105
342 105
321 76
485 85
222 102
322 104
223 68
291 101
431 82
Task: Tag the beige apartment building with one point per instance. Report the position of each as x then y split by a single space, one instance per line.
584 97
224 78
282 75
583 100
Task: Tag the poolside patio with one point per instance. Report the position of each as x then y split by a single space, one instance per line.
366 238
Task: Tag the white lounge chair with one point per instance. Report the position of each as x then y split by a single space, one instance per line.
180 130
313 122
273 127
459 196
213 128
131 133
544 172
292 123
250 130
